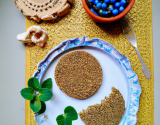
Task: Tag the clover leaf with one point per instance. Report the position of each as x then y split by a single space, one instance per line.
71 113
45 94
34 83
35 105
38 94
43 108
27 93
61 120
68 117
47 83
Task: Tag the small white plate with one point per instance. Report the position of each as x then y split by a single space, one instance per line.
117 72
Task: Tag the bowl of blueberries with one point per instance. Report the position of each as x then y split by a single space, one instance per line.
106 11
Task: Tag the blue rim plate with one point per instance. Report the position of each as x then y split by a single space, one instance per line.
134 89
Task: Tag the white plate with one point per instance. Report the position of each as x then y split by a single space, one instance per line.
117 72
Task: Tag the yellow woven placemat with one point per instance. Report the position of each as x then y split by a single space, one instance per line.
78 24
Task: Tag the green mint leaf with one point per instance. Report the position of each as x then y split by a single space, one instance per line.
71 113
35 105
43 108
61 120
34 83
47 84
68 117
45 94
27 93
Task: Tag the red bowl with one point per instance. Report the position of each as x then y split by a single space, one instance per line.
106 19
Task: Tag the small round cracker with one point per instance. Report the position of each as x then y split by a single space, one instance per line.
78 74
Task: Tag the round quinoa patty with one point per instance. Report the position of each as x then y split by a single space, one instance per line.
78 74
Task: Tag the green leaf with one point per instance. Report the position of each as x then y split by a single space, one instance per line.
45 94
34 83
71 113
43 108
35 105
36 97
27 93
66 119
61 120
47 83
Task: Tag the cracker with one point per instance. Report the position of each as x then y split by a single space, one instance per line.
78 74
109 112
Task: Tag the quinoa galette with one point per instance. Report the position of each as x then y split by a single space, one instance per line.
78 74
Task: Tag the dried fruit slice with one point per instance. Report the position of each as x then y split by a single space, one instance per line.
34 35
78 74
109 112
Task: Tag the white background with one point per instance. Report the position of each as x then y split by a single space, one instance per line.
12 63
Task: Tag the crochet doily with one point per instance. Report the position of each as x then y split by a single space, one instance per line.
78 24
43 9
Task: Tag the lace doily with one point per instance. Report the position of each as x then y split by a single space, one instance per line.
43 9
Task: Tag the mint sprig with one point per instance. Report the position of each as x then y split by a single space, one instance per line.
44 93
69 115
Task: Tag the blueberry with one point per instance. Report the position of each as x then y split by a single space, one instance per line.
117 4
105 13
121 9
96 9
101 12
90 4
106 1
123 2
111 8
96 1
92 10
113 1
104 6
92 1
115 12
99 5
